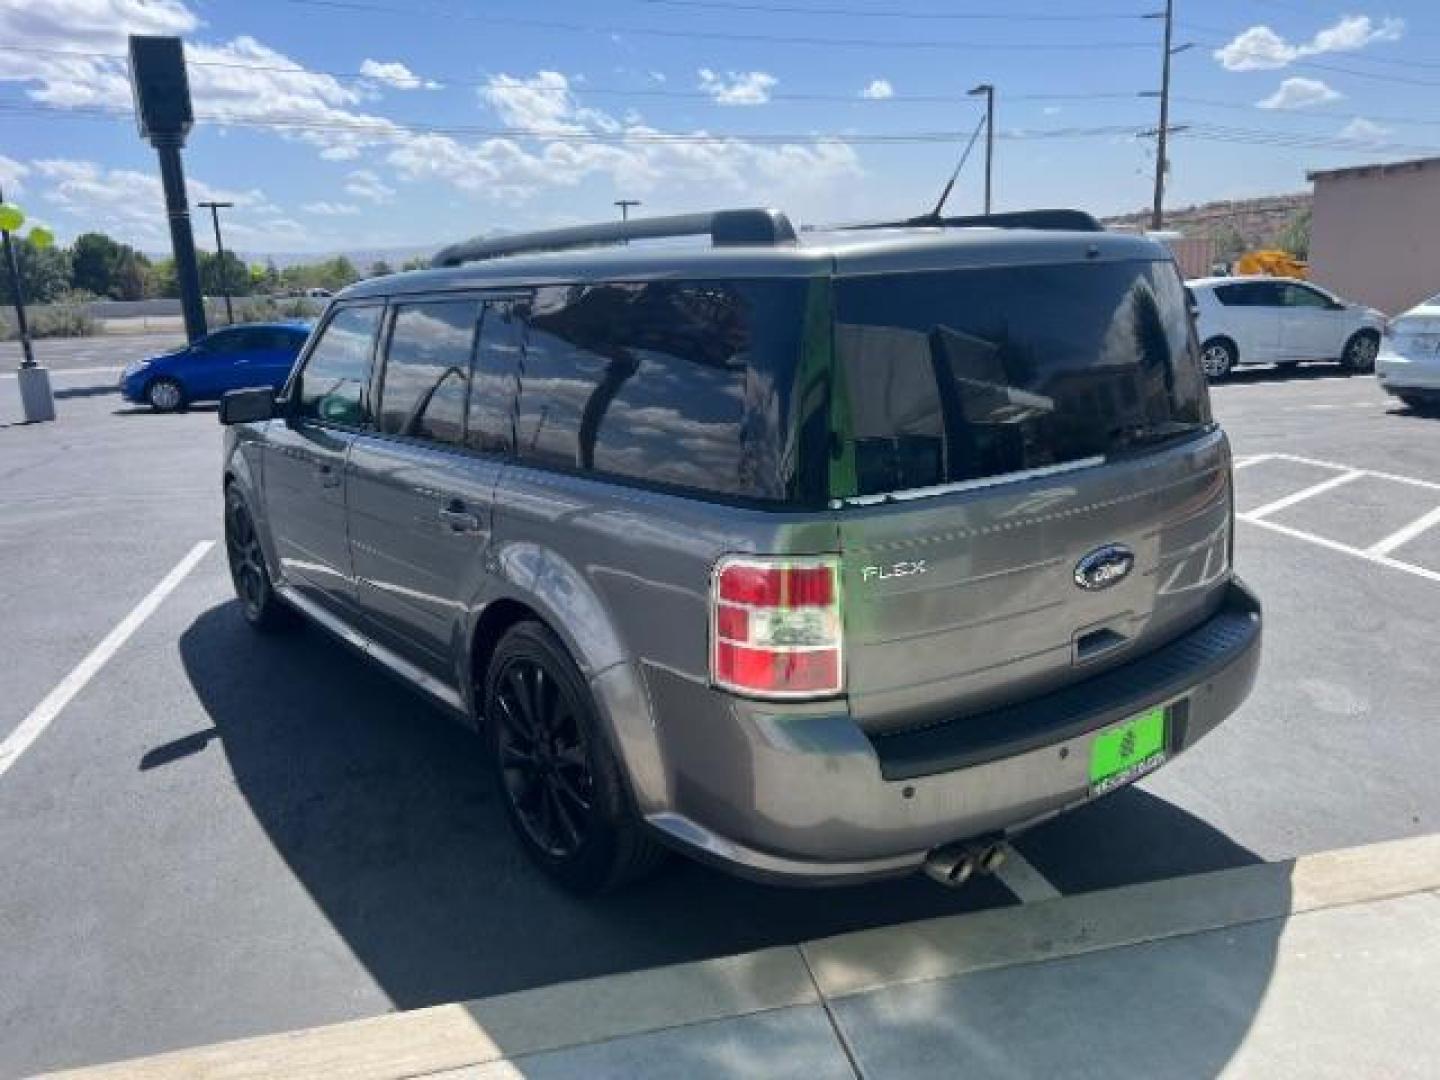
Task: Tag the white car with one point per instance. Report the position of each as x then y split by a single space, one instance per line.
1409 360
1271 320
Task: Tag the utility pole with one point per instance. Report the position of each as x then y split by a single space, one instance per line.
625 205
989 91
215 208
1162 133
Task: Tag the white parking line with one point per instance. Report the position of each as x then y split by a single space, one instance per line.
1344 549
34 725
1403 536
1018 874
1304 493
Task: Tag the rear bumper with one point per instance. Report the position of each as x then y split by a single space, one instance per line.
809 798
1410 375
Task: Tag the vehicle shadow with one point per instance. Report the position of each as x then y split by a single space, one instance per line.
1272 373
384 810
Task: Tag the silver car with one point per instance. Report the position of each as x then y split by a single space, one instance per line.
820 558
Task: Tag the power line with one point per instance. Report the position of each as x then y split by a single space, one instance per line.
585 89
388 130
1296 114
870 13
720 35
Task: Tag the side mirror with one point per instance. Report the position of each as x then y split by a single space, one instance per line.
248 406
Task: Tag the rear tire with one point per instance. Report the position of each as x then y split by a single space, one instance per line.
560 783
1360 352
1217 358
262 608
165 395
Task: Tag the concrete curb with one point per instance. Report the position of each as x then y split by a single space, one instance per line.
492 1030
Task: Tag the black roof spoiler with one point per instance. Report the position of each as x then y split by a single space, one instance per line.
1056 219
724 227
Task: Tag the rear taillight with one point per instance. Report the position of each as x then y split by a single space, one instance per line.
775 628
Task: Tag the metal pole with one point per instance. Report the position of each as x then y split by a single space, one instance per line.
21 326
187 273
1157 212
989 91
215 208
624 205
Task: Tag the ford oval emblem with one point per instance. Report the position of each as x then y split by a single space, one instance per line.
1104 567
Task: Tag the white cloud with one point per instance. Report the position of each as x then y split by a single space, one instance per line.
132 204
330 209
396 74
366 184
1365 131
878 90
737 87
1260 48
1299 93
11 174
579 144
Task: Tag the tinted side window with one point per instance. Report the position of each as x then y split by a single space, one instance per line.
227 341
331 386
492 386
1297 296
666 382
1235 295
427 370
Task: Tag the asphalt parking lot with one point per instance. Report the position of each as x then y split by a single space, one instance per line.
214 834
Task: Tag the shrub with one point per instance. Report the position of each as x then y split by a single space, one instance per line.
51 320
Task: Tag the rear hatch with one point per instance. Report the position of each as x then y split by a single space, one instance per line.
1411 355
1032 489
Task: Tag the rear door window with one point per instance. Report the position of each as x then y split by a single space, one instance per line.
960 375
331 386
491 425
426 379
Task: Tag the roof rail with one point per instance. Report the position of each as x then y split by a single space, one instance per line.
1056 219
747 226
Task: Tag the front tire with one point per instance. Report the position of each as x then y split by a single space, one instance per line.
1360 352
1217 358
165 395
260 605
557 777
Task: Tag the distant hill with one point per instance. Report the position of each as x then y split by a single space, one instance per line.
361 257
1257 221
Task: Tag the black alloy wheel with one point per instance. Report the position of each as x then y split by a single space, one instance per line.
253 588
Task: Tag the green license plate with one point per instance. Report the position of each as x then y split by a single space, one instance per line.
1127 751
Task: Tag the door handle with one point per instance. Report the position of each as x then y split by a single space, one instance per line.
460 520
327 475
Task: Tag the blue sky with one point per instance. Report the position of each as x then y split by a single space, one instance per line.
340 124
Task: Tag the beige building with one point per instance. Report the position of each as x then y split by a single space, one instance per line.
1375 235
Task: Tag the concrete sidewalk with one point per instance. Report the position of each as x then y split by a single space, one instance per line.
1325 966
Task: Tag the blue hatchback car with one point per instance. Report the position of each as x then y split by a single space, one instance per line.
234 358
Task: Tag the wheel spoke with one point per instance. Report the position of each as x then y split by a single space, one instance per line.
518 697
519 725
512 756
562 815
566 787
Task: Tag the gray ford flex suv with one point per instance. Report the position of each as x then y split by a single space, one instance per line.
820 557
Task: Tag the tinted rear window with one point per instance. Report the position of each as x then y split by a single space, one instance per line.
683 384
965 374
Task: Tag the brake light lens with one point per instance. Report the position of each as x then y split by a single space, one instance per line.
776 630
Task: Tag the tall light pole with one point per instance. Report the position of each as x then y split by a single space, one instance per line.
1162 133
989 92
625 205
215 208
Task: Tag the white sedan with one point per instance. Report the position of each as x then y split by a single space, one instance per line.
1409 361
1269 320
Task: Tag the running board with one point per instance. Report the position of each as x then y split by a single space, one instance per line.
396 664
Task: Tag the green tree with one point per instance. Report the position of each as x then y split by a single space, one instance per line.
379 268
415 262
161 280
233 277
128 282
1230 243
93 258
44 273
1294 237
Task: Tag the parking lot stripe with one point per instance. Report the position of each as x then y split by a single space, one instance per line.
34 725
1253 459
1403 536
56 373
1305 493
1344 549
1018 874
1396 477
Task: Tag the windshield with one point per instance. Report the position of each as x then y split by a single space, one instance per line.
965 374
